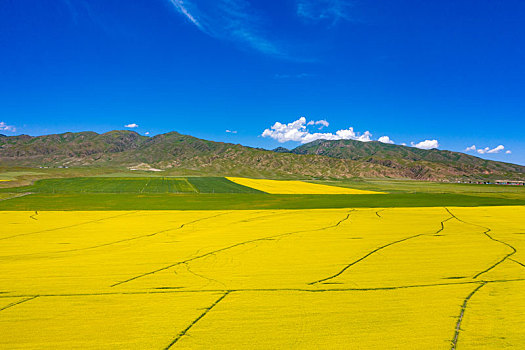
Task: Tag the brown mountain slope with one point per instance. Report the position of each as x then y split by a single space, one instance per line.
179 153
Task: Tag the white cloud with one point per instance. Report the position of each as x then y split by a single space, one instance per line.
497 149
485 150
231 131
132 125
231 20
297 131
403 144
323 10
427 144
385 139
488 150
5 127
146 133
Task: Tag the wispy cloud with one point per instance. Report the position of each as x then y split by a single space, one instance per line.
231 20
298 131
184 9
293 76
323 10
231 131
132 125
80 10
5 127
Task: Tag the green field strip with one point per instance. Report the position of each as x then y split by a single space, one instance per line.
219 185
107 185
241 201
7 196
133 185
415 186
145 185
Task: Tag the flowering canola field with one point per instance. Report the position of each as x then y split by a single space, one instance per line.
294 187
397 278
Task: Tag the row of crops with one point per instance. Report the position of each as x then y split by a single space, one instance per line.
134 185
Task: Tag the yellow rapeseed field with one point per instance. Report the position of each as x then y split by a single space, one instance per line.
395 278
294 187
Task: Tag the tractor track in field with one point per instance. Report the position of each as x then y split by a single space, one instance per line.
145 185
125 239
164 290
346 267
16 196
210 280
486 233
454 341
272 214
377 213
443 225
122 240
19 302
517 262
69 226
194 322
364 257
267 238
195 189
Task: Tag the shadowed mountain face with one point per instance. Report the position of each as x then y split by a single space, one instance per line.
182 153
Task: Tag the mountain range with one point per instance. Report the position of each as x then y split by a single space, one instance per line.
183 154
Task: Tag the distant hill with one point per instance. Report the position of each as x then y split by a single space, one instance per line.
281 150
183 154
399 157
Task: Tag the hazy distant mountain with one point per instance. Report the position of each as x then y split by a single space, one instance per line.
179 153
281 150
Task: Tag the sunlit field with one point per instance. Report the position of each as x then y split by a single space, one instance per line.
262 175
392 278
294 187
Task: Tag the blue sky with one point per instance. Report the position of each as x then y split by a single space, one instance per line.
425 73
